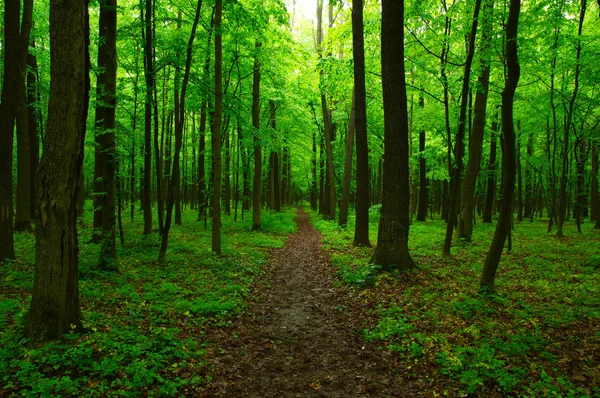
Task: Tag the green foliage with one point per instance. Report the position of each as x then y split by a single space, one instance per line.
146 323
534 339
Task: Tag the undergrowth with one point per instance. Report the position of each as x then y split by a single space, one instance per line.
146 323
538 336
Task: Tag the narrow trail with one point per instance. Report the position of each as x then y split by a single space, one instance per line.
296 340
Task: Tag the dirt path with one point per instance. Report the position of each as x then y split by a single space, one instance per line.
296 340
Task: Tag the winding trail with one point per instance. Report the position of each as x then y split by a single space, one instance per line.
296 339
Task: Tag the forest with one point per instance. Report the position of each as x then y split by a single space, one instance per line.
265 198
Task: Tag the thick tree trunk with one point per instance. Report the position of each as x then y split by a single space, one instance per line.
361 227
24 180
256 193
106 137
55 300
509 154
392 244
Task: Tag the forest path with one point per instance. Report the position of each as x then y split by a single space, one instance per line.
296 340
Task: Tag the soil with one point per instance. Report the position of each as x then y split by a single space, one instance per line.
297 340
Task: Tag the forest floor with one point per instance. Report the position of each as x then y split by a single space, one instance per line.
297 338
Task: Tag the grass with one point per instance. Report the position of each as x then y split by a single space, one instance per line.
147 323
539 336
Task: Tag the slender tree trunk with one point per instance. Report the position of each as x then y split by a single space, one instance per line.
392 244
569 117
179 136
149 76
459 143
34 123
313 184
423 196
217 166
519 175
467 201
594 194
256 193
227 185
55 300
509 154
343 215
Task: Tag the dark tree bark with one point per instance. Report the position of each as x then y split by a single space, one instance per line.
217 163
8 112
361 227
55 300
594 177
179 136
227 185
423 195
34 124
313 185
552 212
23 211
563 198
274 191
467 201
509 153
392 245
149 77
519 175
346 182
459 146
106 137
490 196
256 193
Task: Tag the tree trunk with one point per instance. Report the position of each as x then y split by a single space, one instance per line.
34 123
392 244
509 154
361 226
24 181
459 142
423 199
55 300
313 185
594 177
343 215
179 136
149 77
519 175
256 193
106 137
216 198
467 201
569 117
227 185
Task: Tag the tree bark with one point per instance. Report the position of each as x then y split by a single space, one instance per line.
216 198
423 195
459 146
569 117
490 196
24 181
149 77
594 177
392 246
34 123
343 215
509 154
106 137
361 226
467 201
55 300
256 193
179 136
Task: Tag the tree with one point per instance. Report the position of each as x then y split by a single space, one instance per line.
216 137
149 77
256 193
513 72
55 300
361 228
392 243
106 156
423 196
